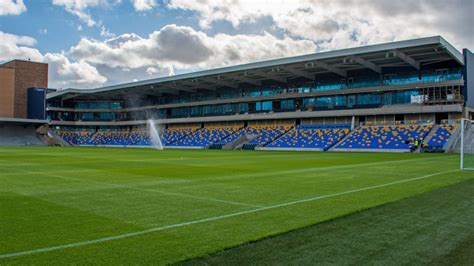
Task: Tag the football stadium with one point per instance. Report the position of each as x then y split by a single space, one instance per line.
353 156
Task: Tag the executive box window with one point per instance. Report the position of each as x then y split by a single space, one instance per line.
287 105
264 106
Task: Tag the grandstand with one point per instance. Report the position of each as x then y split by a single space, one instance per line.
384 138
373 98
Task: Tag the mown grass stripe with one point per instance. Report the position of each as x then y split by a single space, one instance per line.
210 219
141 189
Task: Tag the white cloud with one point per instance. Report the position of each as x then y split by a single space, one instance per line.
64 73
79 9
143 5
186 48
161 71
18 47
128 56
105 32
152 71
336 24
11 7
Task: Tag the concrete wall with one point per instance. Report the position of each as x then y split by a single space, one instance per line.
27 74
7 89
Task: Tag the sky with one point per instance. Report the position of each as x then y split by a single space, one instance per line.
95 43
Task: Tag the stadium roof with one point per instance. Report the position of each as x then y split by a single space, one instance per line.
411 53
21 121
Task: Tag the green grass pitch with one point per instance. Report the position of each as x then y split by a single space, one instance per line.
125 206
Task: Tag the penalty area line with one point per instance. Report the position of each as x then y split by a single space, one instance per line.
210 219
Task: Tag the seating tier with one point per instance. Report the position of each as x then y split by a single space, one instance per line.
311 137
442 134
205 136
384 137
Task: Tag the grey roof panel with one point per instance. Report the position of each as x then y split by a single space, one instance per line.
435 40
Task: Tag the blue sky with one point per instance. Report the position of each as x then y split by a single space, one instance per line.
62 26
93 43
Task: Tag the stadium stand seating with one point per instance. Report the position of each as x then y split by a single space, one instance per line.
321 137
263 135
14 135
205 137
174 134
229 139
77 137
311 137
121 138
384 137
442 134
135 137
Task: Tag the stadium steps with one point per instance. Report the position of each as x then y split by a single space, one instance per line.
234 144
54 139
218 146
92 138
431 133
280 136
335 144
333 147
243 143
454 141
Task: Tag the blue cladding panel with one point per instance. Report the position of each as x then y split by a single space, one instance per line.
469 78
36 103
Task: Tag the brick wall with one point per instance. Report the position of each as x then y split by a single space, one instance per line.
7 95
27 74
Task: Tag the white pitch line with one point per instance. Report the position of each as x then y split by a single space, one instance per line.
215 218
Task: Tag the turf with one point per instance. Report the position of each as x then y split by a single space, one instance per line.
434 228
99 205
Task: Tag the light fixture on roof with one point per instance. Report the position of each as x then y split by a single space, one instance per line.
390 54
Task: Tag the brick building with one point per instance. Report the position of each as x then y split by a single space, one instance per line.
15 78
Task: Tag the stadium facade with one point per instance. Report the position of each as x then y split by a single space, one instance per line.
379 97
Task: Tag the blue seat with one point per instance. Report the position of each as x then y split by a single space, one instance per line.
311 137
384 137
